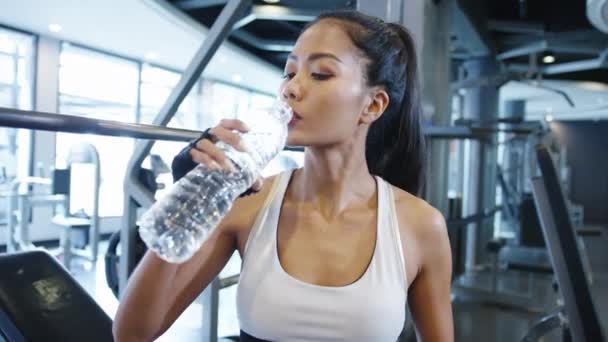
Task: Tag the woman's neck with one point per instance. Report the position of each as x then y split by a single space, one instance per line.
333 179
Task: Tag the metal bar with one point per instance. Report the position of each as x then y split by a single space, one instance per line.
470 36
15 96
246 20
211 301
229 281
135 193
575 48
555 90
516 27
264 44
487 80
524 50
447 132
196 4
274 12
563 250
582 65
10 117
560 68
138 95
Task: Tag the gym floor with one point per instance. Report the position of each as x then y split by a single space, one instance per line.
474 320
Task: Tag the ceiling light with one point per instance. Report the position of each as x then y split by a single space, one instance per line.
548 59
272 1
237 78
549 118
55 28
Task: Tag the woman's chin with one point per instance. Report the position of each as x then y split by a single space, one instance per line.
293 141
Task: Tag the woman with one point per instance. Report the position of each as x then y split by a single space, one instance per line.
331 251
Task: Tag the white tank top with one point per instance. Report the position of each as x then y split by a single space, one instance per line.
272 305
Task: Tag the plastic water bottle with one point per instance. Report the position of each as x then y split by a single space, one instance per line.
176 226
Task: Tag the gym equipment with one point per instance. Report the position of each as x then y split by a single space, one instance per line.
55 191
20 200
40 301
581 322
80 154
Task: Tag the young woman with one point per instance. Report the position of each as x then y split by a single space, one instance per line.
332 251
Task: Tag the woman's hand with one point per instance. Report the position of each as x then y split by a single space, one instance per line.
206 152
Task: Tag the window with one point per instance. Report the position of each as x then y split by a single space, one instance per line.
99 86
16 85
156 86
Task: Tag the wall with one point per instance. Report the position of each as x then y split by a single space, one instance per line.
586 145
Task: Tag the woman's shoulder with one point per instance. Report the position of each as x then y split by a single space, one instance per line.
423 231
418 216
245 209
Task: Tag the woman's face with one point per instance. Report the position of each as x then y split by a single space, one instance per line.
325 86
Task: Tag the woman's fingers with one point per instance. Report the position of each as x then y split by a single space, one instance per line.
202 158
230 137
209 154
258 184
234 124
206 152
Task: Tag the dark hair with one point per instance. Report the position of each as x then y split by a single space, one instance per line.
395 146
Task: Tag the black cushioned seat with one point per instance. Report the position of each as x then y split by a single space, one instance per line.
40 301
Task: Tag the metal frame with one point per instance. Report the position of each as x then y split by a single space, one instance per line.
563 250
211 304
196 4
10 117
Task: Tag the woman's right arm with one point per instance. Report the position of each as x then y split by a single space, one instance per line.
159 291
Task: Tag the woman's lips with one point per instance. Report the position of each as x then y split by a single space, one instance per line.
295 118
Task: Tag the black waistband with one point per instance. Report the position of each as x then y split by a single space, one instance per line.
245 337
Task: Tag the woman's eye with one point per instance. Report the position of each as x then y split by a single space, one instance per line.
320 77
289 75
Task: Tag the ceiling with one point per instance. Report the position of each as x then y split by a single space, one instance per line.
267 30
590 99
140 29
519 32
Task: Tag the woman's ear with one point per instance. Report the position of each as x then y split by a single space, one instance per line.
375 106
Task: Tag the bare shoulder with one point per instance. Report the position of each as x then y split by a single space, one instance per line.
415 214
423 231
245 209
241 217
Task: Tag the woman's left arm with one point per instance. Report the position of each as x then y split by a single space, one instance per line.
429 293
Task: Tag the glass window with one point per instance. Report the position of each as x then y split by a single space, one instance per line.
99 86
16 88
156 86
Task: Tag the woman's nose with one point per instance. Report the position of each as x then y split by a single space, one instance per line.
292 91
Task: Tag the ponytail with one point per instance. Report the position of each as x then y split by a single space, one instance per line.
403 152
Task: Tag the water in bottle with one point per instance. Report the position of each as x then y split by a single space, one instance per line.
176 226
